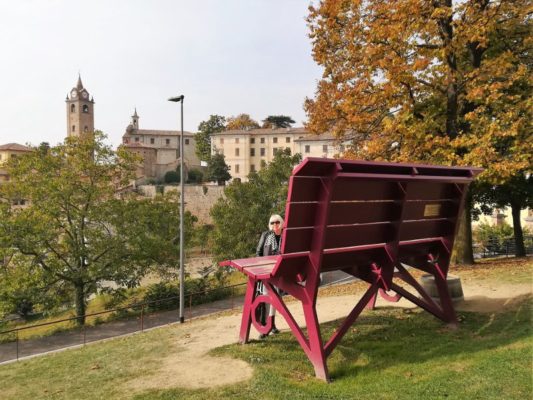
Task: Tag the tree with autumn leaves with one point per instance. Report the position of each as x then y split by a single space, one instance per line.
241 122
442 81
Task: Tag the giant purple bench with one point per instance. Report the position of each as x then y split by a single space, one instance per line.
370 220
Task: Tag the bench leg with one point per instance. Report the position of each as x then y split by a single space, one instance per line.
246 321
317 355
372 303
445 299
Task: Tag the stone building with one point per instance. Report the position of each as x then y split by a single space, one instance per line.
250 150
80 111
7 151
159 149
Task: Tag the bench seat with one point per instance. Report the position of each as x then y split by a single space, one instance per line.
254 267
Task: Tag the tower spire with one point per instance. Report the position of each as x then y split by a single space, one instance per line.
79 85
135 119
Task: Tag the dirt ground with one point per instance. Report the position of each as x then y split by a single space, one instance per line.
191 367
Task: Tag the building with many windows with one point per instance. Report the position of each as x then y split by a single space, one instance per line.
250 150
159 149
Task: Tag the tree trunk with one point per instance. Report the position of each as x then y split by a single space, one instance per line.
520 249
80 303
463 252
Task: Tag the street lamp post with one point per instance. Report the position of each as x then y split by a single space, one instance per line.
179 99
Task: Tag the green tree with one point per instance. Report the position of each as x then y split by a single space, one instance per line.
78 229
277 121
24 288
445 82
217 169
241 216
153 232
517 194
215 123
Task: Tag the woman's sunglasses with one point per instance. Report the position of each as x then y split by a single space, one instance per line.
275 222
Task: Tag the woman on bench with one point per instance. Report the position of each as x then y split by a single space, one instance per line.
269 244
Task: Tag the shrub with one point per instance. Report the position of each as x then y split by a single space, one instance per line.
486 233
171 177
162 296
493 238
195 176
165 295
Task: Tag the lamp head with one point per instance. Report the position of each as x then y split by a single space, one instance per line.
177 99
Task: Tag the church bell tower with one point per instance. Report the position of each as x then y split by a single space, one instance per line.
80 111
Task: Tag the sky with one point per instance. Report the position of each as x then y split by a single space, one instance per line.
225 56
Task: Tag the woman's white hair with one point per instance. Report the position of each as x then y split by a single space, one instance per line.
275 217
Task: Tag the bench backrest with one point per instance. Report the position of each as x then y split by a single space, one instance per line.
345 213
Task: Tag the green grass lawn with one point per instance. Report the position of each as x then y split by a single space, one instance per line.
388 354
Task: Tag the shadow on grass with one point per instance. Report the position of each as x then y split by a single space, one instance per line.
390 353
388 336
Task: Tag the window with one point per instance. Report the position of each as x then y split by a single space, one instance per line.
252 168
85 108
263 163
85 128
152 140
274 151
186 141
252 140
262 140
252 152
73 128
236 168
275 140
221 140
287 139
341 148
307 148
288 149
325 148
262 151
72 108
136 139
237 152
167 141
237 140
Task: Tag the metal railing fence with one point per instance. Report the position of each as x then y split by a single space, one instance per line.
501 247
129 319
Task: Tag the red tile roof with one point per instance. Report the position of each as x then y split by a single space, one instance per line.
15 147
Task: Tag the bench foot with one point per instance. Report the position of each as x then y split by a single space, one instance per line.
317 355
321 372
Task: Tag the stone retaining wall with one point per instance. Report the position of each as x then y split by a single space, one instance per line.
198 198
